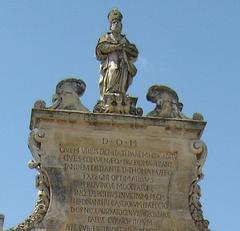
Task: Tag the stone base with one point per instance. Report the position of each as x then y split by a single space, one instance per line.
115 172
118 103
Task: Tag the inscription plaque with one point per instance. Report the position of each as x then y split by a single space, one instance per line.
118 186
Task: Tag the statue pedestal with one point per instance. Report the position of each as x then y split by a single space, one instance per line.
115 172
119 104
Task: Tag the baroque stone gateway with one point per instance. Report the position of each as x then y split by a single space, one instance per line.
114 169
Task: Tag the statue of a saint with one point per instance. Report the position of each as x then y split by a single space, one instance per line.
116 55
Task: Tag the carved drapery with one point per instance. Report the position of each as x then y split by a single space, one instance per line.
199 149
36 138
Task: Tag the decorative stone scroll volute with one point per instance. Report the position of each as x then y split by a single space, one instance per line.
36 139
67 96
167 103
199 149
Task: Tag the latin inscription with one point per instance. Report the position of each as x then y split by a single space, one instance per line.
77 227
119 142
118 188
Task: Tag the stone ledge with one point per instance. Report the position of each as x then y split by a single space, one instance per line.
114 119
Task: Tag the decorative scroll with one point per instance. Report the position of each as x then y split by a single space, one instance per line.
195 207
36 138
67 96
167 103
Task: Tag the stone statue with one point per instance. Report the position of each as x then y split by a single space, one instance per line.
116 55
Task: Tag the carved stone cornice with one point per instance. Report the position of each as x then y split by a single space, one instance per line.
170 124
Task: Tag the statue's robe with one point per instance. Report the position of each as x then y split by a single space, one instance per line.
116 68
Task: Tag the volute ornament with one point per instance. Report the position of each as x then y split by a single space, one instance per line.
42 183
199 149
167 103
67 96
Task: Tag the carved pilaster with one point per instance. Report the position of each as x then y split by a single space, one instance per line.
36 138
199 149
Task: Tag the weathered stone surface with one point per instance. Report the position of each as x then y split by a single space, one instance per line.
167 103
117 56
118 103
116 172
1 222
67 96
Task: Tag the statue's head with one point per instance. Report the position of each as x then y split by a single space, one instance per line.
115 20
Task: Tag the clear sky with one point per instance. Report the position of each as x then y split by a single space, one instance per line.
193 46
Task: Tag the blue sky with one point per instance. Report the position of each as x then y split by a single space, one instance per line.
193 46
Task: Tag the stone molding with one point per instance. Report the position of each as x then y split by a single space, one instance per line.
117 119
